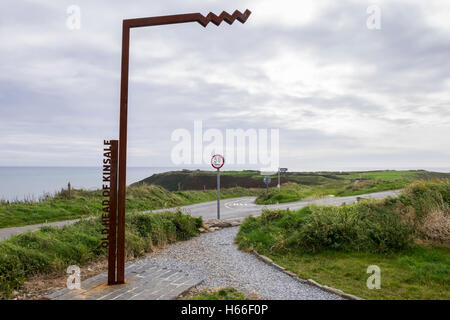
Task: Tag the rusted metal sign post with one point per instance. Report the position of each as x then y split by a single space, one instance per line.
109 217
126 27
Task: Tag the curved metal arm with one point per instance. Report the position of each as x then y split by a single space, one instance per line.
189 17
127 25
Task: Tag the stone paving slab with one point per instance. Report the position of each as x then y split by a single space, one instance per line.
144 281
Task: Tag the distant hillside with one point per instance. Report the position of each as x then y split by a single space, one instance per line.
206 180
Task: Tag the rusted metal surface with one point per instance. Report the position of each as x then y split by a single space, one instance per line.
123 153
127 25
189 17
113 214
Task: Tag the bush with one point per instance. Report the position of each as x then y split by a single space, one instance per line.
327 227
381 228
436 227
392 224
165 228
358 227
427 196
290 192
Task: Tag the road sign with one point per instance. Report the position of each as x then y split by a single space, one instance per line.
217 161
279 179
267 181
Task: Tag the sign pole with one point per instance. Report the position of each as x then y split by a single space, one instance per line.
217 162
279 177
267 182
218 193
109 204
279 186
112 254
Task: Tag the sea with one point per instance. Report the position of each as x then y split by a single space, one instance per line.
32 183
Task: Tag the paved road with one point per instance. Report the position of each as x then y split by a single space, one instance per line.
229 209
245 206
7 232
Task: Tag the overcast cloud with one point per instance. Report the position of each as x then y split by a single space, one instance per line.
341 95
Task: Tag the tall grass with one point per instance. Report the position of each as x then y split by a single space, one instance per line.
372 225
83 203
407 237
52 249
294 192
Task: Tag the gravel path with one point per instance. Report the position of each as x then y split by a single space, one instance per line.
214 257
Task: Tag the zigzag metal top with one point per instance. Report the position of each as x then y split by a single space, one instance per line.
189 17
224 16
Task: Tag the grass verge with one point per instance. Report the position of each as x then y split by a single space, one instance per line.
51 249
83 203
214 294
418 273
342 184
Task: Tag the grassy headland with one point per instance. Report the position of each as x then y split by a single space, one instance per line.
295 185
336 181
344 184
407 237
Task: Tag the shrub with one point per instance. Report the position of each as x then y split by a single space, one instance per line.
364 226
327 227
392 224
380 228
290 192
436 227
427 196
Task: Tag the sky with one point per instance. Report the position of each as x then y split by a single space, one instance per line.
342 94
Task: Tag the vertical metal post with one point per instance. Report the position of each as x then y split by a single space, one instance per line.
123 155
112 239
279 185
218 193
126 26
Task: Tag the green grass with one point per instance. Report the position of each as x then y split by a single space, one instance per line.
219 294
335 245
142 197
88 203
53 249
289 192
338 182
342 184
418 273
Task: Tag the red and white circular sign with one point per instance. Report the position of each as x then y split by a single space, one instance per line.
217 161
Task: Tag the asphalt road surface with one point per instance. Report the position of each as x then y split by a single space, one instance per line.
245 206
229 209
